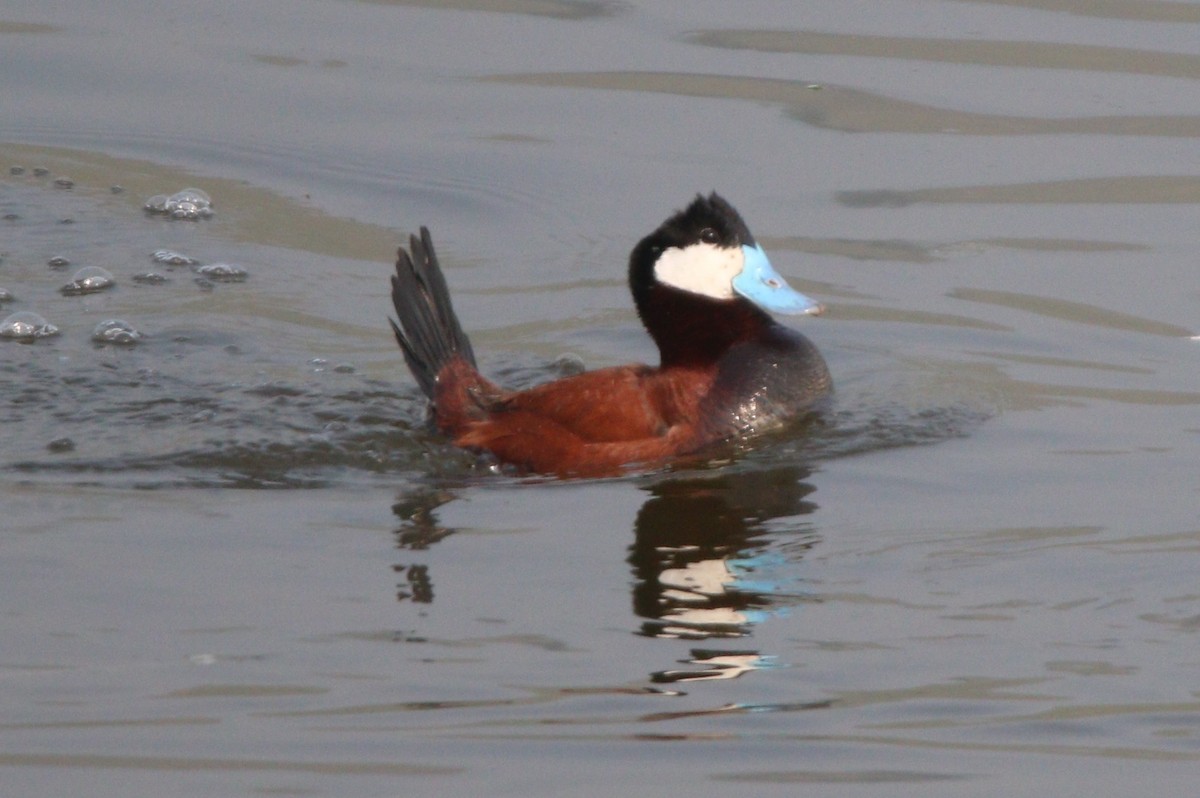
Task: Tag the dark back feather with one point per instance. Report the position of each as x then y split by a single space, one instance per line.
428 332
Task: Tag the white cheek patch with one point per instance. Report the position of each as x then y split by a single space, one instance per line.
704 269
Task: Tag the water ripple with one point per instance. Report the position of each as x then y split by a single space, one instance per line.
1018 54
152 430
852 110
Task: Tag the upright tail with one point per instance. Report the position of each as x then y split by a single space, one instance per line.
429 333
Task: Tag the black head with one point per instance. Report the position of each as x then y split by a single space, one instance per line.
701 282
709 219
707 225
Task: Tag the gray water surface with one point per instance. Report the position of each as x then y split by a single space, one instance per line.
235 561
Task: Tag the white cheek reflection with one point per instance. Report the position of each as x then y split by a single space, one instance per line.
704 269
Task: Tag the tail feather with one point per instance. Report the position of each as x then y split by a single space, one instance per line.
429 333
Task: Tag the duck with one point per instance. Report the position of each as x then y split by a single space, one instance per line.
705 292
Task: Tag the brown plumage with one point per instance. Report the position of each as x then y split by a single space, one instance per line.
727 369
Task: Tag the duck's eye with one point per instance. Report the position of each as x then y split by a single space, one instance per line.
709 236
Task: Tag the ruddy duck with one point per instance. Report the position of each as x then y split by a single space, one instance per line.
701 286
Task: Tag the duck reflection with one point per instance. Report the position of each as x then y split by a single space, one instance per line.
702 558
418 532
702 565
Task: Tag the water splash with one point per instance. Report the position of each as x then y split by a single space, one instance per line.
148 421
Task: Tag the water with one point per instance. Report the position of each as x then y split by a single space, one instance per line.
236 561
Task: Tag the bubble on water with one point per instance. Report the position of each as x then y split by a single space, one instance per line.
58 262
173 258
89 280
16 170
64 182
149 278
156 204
115 331
569 364
40 171
117 189
190 204
223 273
5 295
193 195
61 445
189 211
26 326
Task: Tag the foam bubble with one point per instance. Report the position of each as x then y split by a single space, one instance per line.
173 258
26 326
190 204
115 331
223 273
89 280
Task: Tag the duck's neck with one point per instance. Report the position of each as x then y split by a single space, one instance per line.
694 331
